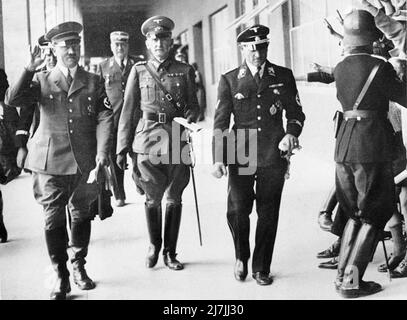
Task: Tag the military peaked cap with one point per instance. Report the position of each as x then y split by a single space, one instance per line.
157 27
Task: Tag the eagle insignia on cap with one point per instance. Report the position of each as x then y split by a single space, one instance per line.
157 20
239 96
242 73
254 29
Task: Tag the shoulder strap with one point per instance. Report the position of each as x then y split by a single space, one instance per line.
366 86
177 106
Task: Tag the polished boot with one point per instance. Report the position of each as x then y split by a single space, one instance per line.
263 278
332 251
154 222
3 232
240 270
362 251
399 249
401 270
57 242
348 238
331 264
171 230
80 237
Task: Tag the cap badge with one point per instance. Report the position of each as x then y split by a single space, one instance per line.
255 29
257 38
157 20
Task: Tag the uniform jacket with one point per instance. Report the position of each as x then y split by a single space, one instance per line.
115 83
367 140
259 108
3 84
75 123
142 94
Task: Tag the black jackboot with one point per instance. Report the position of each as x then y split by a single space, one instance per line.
348 239
171 229
363 249
57 242
80 237
154 225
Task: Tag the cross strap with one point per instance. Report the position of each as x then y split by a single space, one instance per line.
366 86
174 103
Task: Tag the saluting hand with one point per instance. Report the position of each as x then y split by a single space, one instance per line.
219 169
35 59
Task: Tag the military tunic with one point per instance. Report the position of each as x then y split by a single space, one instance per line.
115 83
75 125
146 127
259 109
364 146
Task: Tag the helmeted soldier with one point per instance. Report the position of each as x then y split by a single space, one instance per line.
363 152
72 137
157 91
115 72
256 93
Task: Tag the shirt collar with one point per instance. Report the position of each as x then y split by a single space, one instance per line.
64 70
253 69
118 61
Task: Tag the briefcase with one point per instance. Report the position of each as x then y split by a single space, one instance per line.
101 206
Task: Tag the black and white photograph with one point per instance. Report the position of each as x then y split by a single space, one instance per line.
203 153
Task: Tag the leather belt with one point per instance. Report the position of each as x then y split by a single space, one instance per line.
157 117
363 114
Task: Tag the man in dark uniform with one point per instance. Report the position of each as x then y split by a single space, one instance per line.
30 116
72 138
363 152
115 72
147 129
256 93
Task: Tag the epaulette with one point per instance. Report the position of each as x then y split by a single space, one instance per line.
140 63
230 70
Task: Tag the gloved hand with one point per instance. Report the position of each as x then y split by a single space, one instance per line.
121 160
103 159
191 116
219 169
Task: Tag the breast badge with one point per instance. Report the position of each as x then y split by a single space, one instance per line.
239 96
107 79
242 73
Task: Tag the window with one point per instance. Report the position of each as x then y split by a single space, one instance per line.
221 47
310 39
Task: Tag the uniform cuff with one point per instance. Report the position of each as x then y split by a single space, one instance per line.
294 128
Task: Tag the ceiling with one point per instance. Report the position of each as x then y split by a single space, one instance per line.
114 6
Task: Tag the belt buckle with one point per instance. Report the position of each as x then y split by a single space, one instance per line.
162 118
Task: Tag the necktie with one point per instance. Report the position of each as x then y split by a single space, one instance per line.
69 78
257 76
122 65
